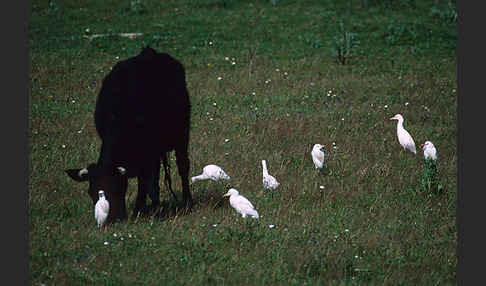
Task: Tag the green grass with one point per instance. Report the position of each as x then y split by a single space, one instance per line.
373 223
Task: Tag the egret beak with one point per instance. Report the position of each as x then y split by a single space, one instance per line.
392 118
226 195
422 145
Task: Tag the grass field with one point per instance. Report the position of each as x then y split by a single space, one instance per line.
267 80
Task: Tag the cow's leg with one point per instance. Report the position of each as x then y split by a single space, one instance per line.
151 181
182 159
167 179
115 191
141 197
148 183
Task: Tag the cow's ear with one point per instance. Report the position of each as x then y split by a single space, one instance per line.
79 175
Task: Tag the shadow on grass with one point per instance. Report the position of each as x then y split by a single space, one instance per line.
171 208
325 171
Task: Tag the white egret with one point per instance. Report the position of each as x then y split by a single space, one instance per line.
404 137
241 204
429 150
269 181
102 208
212 172
318 156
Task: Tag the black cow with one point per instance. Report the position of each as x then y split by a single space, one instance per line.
142 113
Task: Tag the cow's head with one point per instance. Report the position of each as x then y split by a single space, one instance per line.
113 181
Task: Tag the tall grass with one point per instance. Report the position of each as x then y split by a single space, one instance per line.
263 75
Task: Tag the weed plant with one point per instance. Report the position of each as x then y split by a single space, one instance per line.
431 177
344 45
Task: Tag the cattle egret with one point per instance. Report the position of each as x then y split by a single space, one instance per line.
403 136
318 156
429 150
241 204
269 182
102 208
211 172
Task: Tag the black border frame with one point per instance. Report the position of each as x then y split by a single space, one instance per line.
15 119
470 82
